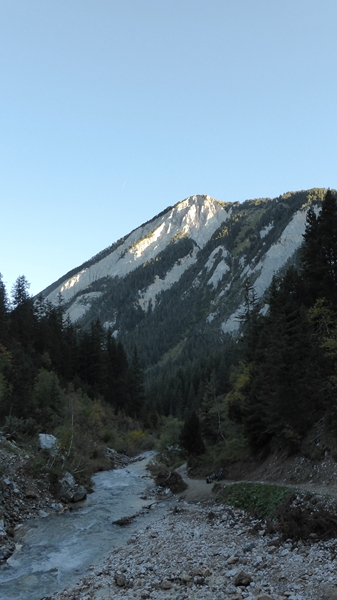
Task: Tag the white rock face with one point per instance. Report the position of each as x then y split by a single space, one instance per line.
265 230
232 324
220 272
274 259
81 305
278 254
197 217
160 285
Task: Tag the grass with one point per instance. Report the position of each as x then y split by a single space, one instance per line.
261 499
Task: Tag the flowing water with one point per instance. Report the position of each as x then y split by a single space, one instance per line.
57 550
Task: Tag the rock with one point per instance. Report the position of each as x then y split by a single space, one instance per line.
47 441
80 493
232 560
5 552
185 578
249 547
265 597
119 460
69 491
42 514
31 494
120 580
57 506
3 532
124 521
166 585
243 578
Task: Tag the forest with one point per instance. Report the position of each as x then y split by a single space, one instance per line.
271 385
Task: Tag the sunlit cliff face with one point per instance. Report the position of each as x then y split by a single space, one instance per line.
196 218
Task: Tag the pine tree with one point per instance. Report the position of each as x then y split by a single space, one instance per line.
319 252
137 391
3 312
285 384
190 437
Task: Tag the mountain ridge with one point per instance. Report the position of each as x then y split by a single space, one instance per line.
185 270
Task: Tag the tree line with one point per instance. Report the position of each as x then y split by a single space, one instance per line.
285 380
279 379
42 353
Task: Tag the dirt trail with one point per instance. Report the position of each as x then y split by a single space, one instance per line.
315 477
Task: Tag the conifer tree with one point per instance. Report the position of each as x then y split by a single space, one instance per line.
319 252
137 392
190 437
3 312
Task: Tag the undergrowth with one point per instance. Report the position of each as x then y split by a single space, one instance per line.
292 514
261 499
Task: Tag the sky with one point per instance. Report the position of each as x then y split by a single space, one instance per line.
112 110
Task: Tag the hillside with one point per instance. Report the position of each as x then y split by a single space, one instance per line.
182 274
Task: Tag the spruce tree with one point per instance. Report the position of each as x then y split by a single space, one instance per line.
319 252
137 392
190 437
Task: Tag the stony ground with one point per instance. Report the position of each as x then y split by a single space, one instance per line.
25 491
209 552
22 496
198 550
203 551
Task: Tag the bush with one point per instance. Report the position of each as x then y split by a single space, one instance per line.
168 448
17 428
171 480
304 515
261 499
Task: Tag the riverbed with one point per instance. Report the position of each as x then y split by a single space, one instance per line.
54 552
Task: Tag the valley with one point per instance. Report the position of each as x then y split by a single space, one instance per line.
208 337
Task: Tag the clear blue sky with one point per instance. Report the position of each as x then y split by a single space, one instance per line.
111 110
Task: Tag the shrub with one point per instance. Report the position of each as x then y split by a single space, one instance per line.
260 498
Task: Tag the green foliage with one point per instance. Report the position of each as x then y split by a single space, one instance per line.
46 399
261 499
19 428
168 445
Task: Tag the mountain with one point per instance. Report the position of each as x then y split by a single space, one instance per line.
175 285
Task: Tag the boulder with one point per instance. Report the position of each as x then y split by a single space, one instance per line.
243 579
80 493
47 441
69 490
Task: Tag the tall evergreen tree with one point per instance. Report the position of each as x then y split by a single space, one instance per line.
3 312
137 391
319 252
190 437
285 385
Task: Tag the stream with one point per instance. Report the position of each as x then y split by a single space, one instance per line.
58 550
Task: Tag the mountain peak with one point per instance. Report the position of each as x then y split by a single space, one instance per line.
183 273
